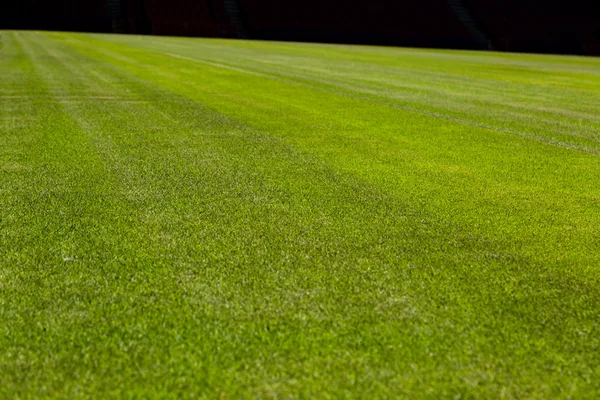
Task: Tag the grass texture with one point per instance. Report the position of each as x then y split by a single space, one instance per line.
200 218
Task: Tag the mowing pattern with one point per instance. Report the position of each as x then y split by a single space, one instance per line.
186 217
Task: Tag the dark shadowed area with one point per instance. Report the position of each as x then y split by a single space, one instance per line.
559 26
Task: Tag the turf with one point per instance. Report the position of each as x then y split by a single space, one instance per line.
208 218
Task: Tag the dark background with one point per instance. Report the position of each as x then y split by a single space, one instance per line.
550 26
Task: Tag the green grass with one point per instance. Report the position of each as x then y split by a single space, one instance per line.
208 218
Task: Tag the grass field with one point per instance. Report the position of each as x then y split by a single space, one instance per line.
208 218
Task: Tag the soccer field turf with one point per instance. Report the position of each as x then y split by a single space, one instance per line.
212 218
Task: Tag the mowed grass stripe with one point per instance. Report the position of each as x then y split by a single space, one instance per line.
567 137
245 237
459 91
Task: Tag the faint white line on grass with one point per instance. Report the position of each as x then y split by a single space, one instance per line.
220 65
538 138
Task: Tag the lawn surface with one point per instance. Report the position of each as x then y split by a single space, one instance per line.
210 218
